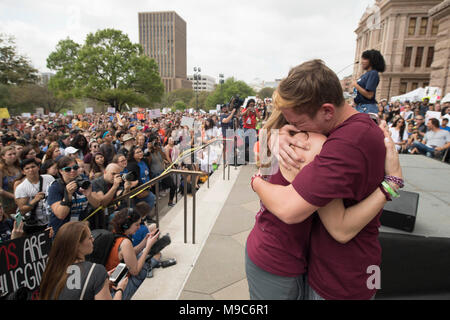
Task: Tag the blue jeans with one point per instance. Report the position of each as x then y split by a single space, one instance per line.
424 149
310 294
367 108
150 199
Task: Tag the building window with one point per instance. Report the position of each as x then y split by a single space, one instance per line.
415 85
403 87
426 84
408 54
435 27
430 56
423 26
412 26
419 57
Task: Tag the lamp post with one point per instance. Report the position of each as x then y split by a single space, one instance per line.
197 77
221 82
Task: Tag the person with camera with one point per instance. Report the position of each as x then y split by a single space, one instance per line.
226 118
69 196
30 196
250 116
128 141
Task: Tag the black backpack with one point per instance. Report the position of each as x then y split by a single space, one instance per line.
103 242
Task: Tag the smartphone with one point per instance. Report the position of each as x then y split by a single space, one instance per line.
18 218
118 274
374 117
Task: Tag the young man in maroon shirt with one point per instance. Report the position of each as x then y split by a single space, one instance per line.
350 166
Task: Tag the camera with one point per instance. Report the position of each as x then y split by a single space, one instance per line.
236 102
83 183
128 176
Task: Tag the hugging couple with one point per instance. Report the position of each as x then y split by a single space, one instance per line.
316 234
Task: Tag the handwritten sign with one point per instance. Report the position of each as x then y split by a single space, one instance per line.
4 113
89 110
154 113
111 110
186 121
23 261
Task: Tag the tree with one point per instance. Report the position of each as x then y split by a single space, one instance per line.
202 96
224 92
179 105
266 92
184 95
14 68
108 68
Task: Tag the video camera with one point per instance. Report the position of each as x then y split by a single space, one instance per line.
130 176
236 102
83 183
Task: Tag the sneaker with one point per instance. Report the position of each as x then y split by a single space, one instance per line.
150 273
171 204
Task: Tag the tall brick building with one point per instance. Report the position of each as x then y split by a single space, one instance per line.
163 37
413 36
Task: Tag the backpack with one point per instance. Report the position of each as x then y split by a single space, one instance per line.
103 242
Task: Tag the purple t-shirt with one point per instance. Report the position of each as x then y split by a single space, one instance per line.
277 247
350 167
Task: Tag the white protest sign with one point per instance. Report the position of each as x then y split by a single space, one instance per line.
89 110
135 110
186 121
154 113
111 110
26 115
69 113
212 111
432 114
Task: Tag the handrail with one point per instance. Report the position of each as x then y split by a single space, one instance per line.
155 181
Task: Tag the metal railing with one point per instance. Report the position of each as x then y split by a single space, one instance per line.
168 174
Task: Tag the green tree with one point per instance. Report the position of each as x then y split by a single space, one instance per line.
179 105
107 68
15 69
266 92
224 92
202 96
184 95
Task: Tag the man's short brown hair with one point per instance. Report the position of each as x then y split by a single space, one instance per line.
307 87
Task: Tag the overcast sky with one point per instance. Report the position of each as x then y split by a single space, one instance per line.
244 39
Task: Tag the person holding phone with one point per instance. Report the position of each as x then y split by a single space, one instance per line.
68 276
10 228
124 224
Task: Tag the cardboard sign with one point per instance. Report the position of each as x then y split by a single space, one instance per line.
89 110
140 116
23 261
186 121
154 113
4 113
111 110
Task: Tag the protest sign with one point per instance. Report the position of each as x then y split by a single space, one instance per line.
23 261
432 114
111 110
140 116
89 110
4 113
186 121
135 110
212 111
26 115
40 111
154 113
69 113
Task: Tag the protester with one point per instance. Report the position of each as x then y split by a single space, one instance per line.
126 223
9 172
67 260
9 229
365 88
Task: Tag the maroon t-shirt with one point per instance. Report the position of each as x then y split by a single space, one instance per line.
277 247
350 167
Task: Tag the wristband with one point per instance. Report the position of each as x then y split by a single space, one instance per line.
396 180
388 197
66 203
120 289
389 189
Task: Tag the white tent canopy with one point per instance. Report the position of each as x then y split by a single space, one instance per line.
432 93
446 98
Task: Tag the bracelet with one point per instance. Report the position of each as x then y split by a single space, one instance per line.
389 189
256 175
120 289
387 195
396 180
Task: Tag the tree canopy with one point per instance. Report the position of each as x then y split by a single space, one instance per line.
223 92
108 68
15 69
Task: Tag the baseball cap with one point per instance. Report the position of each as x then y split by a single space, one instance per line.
70 150
127 137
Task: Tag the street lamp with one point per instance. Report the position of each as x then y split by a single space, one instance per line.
197 77
221 82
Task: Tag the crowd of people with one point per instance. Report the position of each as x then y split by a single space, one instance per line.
63 173
414 129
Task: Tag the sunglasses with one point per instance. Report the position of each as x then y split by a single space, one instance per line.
68 169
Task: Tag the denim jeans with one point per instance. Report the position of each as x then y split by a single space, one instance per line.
310 294
367 108
424 149
150 199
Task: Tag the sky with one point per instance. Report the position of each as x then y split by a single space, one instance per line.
243 39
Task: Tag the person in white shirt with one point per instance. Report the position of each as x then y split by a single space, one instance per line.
30 197
435 140
399 134
407 114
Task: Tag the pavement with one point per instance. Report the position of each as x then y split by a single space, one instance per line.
213 268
